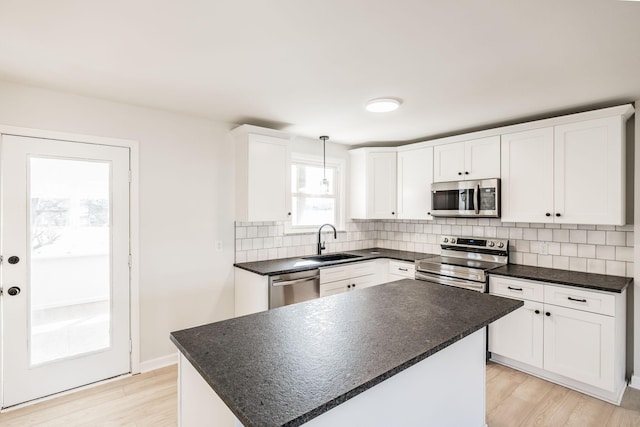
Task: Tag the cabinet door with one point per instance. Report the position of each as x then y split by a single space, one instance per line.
337 288
363 282
518 335
590 172
269 179
527 176
381 185
580 345
415 175
448 162
482 158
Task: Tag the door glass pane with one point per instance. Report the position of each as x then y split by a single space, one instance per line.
70 258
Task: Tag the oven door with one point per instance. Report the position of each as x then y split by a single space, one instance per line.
451 281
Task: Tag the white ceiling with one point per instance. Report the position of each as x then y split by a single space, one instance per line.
308 66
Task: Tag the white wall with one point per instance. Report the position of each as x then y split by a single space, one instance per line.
635 380
186 202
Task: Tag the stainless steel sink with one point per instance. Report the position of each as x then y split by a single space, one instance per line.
331 257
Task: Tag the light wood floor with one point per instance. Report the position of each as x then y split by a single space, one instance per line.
518 399
150 399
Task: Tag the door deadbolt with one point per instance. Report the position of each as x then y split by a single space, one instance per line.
13 260
13 291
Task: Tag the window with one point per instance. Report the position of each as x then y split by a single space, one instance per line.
313 204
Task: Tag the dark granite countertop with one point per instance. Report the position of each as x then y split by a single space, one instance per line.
598 282
288 365
291 265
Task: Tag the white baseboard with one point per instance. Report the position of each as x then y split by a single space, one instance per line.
159 362
635 382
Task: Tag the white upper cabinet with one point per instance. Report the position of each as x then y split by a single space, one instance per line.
527 176
589 171
263 177
572 173
473 159
415 175
373 183
448 162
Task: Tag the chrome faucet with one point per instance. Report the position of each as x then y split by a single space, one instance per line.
321 245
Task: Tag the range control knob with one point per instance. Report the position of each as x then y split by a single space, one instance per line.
491 244
453 240
501 245
445 240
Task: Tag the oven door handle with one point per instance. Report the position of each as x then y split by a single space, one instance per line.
445 280
477 199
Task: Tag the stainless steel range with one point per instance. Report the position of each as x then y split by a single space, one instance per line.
464 261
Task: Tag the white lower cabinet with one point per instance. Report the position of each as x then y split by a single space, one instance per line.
518 335
351 284
580 345
399 270
571 336
348 277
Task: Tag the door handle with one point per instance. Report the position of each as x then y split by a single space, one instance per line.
13 291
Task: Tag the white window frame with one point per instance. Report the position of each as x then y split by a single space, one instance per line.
339 185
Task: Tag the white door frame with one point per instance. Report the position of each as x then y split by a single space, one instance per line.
133 219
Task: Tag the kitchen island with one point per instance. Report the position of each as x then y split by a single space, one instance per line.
402 353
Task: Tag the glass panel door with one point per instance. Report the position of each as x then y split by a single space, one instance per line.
70 258
65 226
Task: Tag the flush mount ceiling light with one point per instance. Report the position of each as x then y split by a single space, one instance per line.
382 105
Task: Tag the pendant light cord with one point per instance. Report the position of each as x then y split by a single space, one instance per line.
324 156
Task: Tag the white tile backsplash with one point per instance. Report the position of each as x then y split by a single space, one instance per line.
602 249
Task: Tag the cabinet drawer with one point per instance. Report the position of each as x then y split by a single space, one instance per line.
333 274
580 299
516 288
404 269
352 284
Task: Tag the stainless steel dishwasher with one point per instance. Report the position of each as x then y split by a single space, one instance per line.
296 287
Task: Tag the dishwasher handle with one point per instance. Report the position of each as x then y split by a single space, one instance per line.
280 282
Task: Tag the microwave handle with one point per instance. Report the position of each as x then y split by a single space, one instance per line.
477 199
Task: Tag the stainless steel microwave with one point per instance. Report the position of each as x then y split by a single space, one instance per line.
477 198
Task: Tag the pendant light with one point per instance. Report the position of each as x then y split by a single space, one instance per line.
324 184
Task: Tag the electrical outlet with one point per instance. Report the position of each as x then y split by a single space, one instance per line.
219 245
544 248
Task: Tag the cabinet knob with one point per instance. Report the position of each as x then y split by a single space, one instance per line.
557 214
289 213
548 214
459 173
548 314
428 213
393 213
348 286
537 312
353 286
466 173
